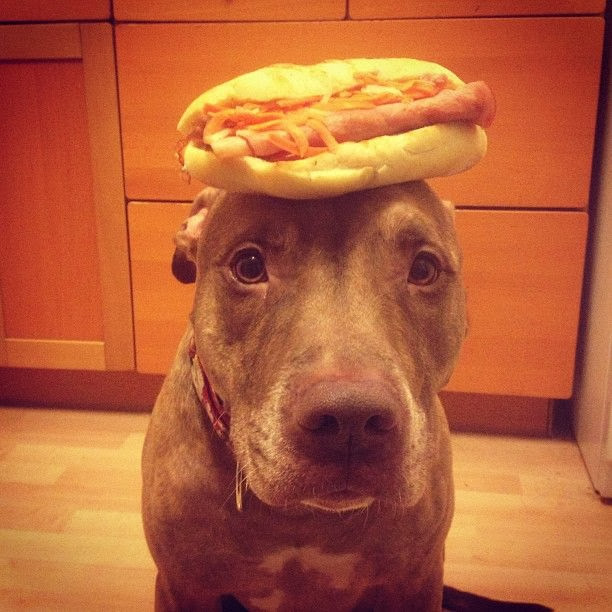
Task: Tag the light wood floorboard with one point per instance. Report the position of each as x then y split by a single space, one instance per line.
527 523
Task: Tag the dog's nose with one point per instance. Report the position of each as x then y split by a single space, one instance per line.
348 418
334 418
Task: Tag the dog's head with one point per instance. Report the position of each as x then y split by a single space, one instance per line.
328 327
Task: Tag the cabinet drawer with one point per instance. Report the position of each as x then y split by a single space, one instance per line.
222 10
544 72
523 272
35 10
523 275
385 9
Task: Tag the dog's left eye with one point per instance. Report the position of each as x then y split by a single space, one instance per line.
425 270
248 266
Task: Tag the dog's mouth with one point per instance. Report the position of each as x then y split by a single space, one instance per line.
335 487
340 501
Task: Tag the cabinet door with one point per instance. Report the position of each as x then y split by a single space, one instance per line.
544 73
222 10
64 278
384 9
523 274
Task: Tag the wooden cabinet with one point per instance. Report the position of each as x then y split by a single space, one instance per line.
523 301
544 73
65 296
522 219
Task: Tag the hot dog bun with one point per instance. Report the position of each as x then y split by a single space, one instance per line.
435 150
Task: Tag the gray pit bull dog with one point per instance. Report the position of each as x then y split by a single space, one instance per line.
298 457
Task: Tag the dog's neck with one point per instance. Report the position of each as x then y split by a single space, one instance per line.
217 414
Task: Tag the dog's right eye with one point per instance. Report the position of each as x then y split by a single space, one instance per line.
248 266
425 270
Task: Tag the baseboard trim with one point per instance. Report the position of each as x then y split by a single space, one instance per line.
130 391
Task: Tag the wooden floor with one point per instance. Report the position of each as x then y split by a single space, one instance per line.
527 523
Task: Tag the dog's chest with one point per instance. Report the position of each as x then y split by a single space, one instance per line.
302 577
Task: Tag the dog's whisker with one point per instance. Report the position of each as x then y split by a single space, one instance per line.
231 492
240 481
241 486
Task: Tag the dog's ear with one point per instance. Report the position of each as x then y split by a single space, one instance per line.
186 239
450 207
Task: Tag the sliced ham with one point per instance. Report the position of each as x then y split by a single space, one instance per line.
231 146
472 102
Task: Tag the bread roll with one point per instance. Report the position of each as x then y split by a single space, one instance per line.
440 149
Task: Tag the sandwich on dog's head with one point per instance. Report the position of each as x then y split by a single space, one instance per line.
342 125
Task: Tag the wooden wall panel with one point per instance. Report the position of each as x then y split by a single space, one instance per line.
495 414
